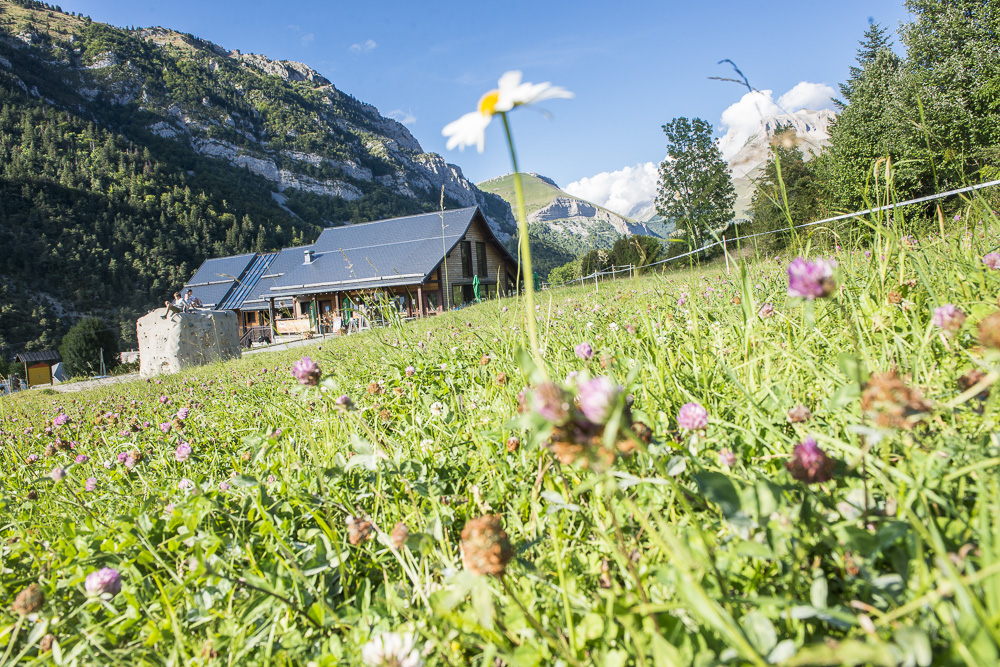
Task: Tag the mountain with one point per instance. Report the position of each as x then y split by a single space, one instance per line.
561 226
811 136
128 156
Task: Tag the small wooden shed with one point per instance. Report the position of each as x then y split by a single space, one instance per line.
38 366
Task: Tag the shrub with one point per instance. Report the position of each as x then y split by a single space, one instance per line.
81 348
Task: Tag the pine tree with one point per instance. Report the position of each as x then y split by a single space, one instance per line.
862 133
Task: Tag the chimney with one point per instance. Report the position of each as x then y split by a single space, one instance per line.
309 256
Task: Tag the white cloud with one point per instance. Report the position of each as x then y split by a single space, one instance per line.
366 46
404 117
626 192
742 119
307 39
805 95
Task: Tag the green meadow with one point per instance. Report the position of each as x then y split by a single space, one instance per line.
251 518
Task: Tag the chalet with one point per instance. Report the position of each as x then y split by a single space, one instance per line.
419 265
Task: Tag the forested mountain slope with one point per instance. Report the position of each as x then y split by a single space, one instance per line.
129 156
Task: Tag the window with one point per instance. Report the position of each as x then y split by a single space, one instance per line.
467 259
481 256
461 295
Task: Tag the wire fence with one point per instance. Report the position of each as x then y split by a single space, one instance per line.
596 275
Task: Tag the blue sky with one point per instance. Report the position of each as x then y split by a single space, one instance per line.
633 65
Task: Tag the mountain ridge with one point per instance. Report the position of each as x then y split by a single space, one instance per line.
131 155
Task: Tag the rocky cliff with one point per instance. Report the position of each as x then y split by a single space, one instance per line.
281 120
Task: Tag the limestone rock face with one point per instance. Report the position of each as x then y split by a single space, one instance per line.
184 340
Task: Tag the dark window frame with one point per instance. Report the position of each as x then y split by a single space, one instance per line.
481 259
467 259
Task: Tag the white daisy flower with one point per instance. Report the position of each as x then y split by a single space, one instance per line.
470 129
392 648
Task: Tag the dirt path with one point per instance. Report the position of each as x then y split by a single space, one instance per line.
90 384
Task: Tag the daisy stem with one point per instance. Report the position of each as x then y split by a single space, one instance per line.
522 228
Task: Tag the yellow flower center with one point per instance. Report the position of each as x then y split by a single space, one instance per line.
489 102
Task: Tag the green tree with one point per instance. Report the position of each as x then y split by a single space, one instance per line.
787 191
565 273
695 188
863 132
953 70
875 40
82 347
635 250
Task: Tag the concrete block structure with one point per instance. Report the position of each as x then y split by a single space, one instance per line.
184 340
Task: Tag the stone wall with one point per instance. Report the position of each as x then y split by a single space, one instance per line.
183 340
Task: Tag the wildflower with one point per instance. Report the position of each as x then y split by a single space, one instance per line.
513 444
185 484
374 388
61 419
358 529
306 371
344 402
895 298
799 414
552 402
182 414
90 484
164 400
410 370
810 464
31 459
484 360
57 473
971 379
811 280
392 649
45 645
765 311
166 426
399 534
82 458
598 398
438 409
29 601
501 379
692 417
485 547
584 351
989 330
726 458
470 129
948 317
992 260
183 452
106 581
224 486
891 403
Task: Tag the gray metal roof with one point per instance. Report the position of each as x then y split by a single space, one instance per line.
376 254
216 277
247 282
38 357
284 261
